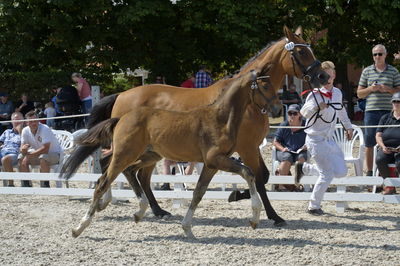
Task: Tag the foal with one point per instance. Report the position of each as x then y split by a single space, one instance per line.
212 129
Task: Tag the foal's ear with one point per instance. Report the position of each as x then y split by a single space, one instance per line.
299 31
288 33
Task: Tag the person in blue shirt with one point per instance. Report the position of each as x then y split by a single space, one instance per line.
289 143
10 142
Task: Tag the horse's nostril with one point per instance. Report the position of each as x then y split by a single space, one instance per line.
323 76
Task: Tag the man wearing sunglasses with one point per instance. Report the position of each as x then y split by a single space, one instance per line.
377 84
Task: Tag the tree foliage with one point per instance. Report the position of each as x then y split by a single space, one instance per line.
101 37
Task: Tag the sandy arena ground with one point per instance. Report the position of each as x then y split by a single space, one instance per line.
36 230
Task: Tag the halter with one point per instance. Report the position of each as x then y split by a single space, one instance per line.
255 88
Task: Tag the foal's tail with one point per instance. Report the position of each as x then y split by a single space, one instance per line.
98 136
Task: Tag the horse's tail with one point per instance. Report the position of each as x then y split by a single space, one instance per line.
102 110
98 136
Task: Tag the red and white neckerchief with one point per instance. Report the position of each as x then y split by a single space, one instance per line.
323 91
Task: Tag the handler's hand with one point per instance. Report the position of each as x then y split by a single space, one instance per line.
349 134
323 105
285 149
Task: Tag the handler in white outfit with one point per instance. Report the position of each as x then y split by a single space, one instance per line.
328 156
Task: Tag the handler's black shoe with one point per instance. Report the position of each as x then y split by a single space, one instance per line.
298 172
316 212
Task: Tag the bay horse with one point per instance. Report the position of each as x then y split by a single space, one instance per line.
276 59
206 134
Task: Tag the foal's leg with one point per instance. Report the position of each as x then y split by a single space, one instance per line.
101 187
107 196
224 163
198 193
253 159
121 159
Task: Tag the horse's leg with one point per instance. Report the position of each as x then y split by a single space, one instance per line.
144 176
224 163
198 193
253 159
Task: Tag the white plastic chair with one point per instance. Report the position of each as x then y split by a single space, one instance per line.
347 146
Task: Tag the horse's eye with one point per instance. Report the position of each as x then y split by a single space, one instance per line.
302 52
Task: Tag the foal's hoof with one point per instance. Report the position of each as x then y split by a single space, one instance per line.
75 233
137 218
280 223
253 224
188 231
161 213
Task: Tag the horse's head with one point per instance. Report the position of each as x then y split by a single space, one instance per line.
299 59
263 94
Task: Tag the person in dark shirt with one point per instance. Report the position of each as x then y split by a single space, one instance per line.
291 96
24 105
6 109
388 139
289 143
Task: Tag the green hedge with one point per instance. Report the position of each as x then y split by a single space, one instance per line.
38 85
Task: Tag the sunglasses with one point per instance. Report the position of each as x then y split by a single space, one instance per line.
377 54
292 113
395 101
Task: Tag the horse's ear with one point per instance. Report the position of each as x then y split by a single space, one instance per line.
288 33
299 31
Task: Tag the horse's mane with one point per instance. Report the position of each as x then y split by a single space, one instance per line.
269 45
251 59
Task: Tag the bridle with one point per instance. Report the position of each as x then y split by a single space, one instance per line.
256 88
306 70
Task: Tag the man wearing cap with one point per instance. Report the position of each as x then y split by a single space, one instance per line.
6 109
377 83
289 142
328 156
388 139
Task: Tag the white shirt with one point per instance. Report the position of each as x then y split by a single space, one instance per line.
43 135
320 128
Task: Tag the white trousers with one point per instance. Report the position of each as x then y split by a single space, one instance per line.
330 163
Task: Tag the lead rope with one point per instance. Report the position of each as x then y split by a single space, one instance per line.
317 114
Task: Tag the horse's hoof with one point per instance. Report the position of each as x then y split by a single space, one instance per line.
162 213
280 223
75 233
253 224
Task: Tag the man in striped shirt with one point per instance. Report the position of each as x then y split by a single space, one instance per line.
377 84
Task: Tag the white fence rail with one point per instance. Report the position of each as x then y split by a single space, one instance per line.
341 197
